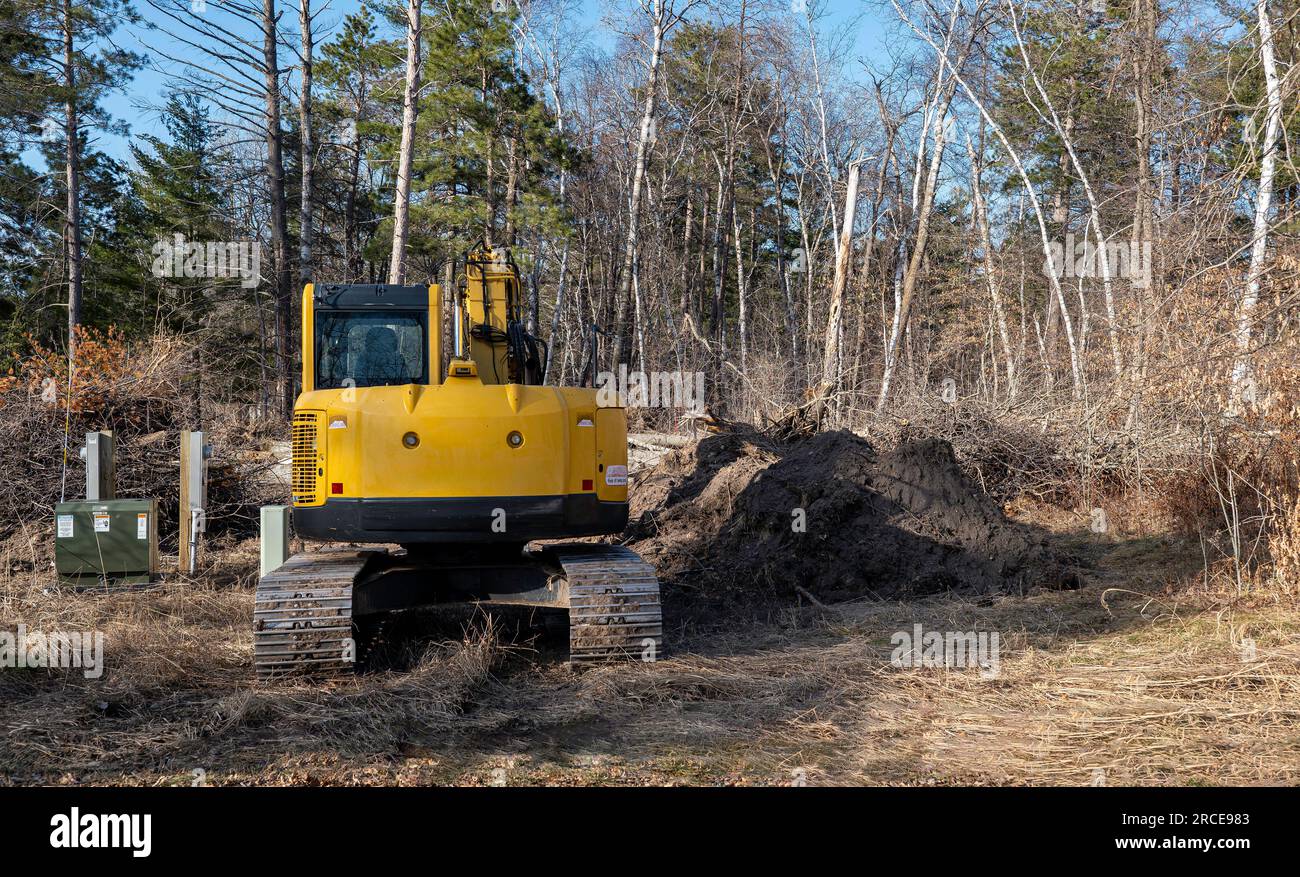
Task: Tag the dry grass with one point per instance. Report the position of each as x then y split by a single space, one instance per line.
1153 694
177 693
1127 675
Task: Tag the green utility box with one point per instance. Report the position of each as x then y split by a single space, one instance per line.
106 542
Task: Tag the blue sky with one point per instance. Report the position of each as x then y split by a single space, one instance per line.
134 105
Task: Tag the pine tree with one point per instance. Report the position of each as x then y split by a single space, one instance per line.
351 68
179 195
487 149
75 43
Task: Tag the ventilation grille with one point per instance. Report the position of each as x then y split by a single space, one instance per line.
305 480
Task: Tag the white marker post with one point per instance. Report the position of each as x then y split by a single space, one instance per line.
274 540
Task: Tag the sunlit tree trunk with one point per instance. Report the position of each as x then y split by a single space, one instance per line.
658 28
410 114
1243 377
990 268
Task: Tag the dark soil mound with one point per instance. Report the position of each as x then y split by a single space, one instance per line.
729 516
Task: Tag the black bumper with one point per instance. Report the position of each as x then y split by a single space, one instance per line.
478 519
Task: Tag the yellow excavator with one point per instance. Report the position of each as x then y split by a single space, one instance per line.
443 482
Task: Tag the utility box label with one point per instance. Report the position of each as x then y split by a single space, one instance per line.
101 522
65 526
616 476
142 526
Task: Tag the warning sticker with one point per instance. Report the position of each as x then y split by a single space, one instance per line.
101 522
616 476
142 526
65 526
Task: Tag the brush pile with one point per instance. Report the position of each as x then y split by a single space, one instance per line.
145 394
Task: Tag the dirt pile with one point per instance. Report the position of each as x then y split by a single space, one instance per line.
734 516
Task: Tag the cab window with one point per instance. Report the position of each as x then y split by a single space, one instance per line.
370 350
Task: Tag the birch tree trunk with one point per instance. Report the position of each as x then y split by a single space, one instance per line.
834 314
935 117
1050 261
943 97
882 171
827 169
1243 376
410 114
1094 208
990 269
658 28
549 58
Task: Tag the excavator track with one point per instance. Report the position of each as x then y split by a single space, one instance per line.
614 608
302 618
303 623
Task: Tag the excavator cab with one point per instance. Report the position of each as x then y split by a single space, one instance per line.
388 449
463 465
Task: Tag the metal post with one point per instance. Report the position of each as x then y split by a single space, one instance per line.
194 496
101 472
